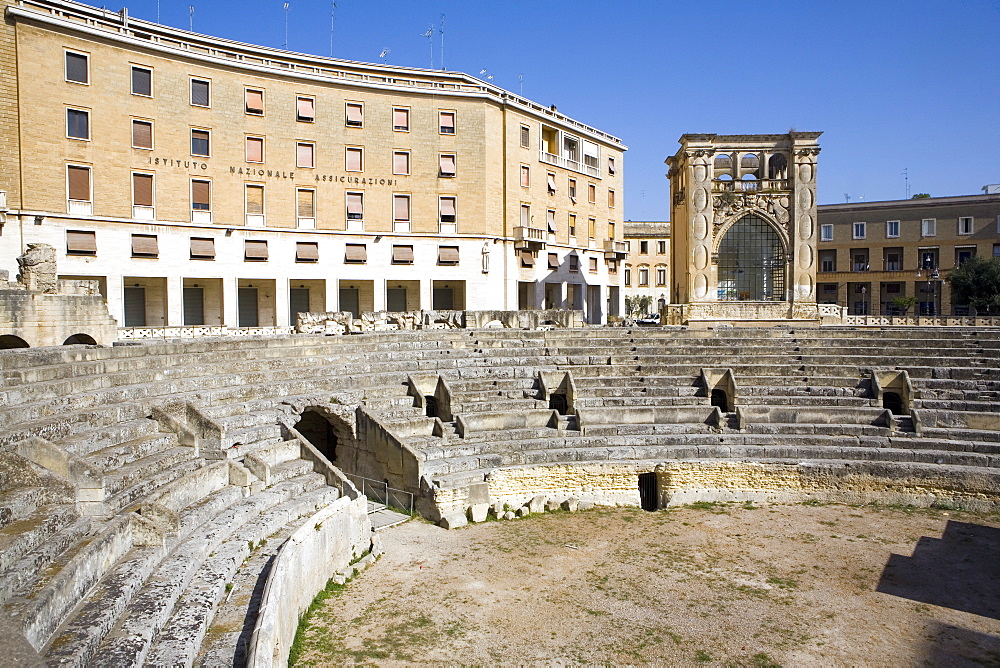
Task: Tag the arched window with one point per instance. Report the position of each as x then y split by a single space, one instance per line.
751 262
750 161
643 276
777 166
723 166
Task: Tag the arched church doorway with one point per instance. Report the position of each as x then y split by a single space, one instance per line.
751 262
317 430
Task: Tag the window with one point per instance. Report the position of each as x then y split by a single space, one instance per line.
355 253
611 165
965 225
593 265
892 229
527 258
446 208
643 276
201 197
550 221
402 254
592 227
574 263
628 275
200 93
828 260
592 193
77 67
826 232
306 251
305 109
142 81
661 247
447 122
571 190
255 205
893 288
525 215
893 259
928 227
661 276
142 134
255 149
525 136
81 242
401 119
355 115
611 230
448 255
859 230
77 124
525 176
400 213
860 260
643 248
145 245
305 154
202 248
929 258
611 199
401 162
572 225
996 250
553 260
255 250
305 208
78 189
964 254
200 143
355 159
254 101
355 209
550 181
142 196
447 165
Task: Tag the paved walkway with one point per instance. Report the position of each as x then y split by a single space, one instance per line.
383 518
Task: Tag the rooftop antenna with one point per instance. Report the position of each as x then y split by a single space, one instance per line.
520 84
385 52
441 30
286 26
906 178
191 18
847 198
157 11
333 13
489 77
430 40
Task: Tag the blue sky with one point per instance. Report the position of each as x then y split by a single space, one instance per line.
893 85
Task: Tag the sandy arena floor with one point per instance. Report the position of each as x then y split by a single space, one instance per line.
717 585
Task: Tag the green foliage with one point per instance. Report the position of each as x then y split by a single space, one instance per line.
903 304
638 305
921 196
976 282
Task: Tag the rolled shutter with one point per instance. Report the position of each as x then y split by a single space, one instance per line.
355 203
306 251
551 179
203 247
448 207
354 159
142 81
81 242
402 254
255 201
553 261
356 253
255 101
199 93
400 163
79 183
201 193
447 254
401 119
355 114
550 221
145 244
142 134
76 67
255 149
525 216
255 249
142 189
448 165
304 155
401 208
448 122
611 165
525 175
527 259
306 203
306 108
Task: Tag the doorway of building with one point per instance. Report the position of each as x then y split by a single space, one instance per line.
395 300
246 306
349 301
298 302
649 498
317 430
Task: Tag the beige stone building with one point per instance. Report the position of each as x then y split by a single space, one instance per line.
647 265
203 181
743 217
873 252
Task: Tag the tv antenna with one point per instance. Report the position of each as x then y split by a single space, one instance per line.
441 30
286 25
430 40
906 179
191 18
847 198
385 52
520 84
489 77
333 13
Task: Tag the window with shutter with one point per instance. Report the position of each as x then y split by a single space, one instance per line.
525 136
401 208
550 221
355 206
402 254
553 260
305 109
77 67
448 255
611 199
305 155
254 101
255 250
199 93
79 183
525 176
550 180
142 134
142 189
527 258
200 145
355 115
145 245
201 195
255 200
80 242
447 122
355 253
355 159
525 215
255 149
401 162
401 119
202 248
305 203
448 209
447 164
306 251
142 81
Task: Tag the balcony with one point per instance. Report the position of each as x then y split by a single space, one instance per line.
3 200
529 238
566 163
80 208
749 186
615 250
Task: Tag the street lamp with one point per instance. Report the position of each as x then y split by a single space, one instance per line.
864 302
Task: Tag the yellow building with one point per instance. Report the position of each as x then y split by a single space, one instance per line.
647 265
203 181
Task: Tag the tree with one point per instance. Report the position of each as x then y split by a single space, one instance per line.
903 304
976 282
921 196
638 305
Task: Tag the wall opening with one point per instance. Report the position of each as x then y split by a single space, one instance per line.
9 341
720 399
80 339
558 403
317 430
649 497
430 406
894 402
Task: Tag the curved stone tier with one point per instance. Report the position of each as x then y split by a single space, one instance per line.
136 480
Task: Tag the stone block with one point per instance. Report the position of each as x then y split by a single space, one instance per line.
537 504
523 511
453 521
572 504
478 512
552 505
497 509
585 505
509 515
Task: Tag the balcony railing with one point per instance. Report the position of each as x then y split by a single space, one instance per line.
749 186
304 223
143 212
529 237
615 249
80 208
566 163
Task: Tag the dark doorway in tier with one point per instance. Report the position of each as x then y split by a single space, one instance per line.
558 403
317 430
720 399
649 497
893 402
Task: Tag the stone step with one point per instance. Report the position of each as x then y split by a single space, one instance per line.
118 455
135 486
30 547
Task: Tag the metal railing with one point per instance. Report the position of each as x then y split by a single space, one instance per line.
379 492
566 163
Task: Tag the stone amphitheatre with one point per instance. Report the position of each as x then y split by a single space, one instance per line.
137 479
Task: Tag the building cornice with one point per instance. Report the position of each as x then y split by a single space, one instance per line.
174 42
926 203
